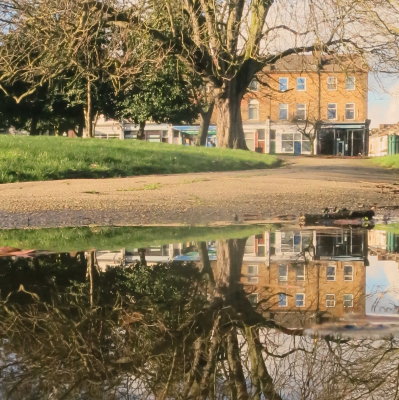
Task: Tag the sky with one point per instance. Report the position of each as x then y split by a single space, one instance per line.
383 107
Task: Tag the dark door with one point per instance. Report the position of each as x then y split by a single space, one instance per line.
297 148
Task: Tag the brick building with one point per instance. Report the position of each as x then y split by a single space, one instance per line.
324 97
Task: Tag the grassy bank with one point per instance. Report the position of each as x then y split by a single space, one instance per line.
49 158
113 238
387 161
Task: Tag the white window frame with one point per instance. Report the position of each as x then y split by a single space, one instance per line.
252 276
303 107
330 302
254 85
298 86
253 298
283 107
253 110
350 300
348 277
335 273
283 87
300 277
302 301
332 83
335 108
283 278
350 83
280 297
350 110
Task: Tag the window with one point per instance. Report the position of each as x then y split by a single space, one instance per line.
283 272
301 111
331 111
300 300
331 273
300 272
348 300
331 83
252 272
283 111
348 273
349 111
300 83
282 300
253 299
330 300
254 85
350 83
282 84
253 109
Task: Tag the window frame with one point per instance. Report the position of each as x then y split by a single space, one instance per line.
350 87
330 85
253 107
329 109
303 277
254 85
298 86
335 273
353 110
297 111
345 300
296 300
281 86
283 278
348 275
280 109
332 300
280 297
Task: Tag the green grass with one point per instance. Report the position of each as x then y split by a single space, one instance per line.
387 161
113 238
49 158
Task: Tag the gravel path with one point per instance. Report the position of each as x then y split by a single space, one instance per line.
302 185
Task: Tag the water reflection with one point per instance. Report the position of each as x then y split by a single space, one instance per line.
253 318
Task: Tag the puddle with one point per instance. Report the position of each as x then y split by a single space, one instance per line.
253 312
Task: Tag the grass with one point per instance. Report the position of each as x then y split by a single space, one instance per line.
113 238
387 161
49 158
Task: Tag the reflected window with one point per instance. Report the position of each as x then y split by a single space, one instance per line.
283 84
301 111
300 83
331 273
330 300
331 83
348 300
300 300
282 300
254 85
252 272
253 299
283 272
300 272
348 273
350 83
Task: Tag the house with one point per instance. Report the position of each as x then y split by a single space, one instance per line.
384 140
306 101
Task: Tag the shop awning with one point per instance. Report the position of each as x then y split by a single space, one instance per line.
193 129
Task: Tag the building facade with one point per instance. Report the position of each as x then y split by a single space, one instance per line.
307 102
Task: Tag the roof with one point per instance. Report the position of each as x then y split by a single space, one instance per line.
328 62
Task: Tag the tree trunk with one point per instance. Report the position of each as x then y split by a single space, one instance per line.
230 132
141 132
205 119
33 124
88 112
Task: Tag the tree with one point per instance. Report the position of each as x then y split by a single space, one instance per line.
309 128
228 42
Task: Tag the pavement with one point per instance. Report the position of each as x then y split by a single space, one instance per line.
301 185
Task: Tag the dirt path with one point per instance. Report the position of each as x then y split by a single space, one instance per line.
302 185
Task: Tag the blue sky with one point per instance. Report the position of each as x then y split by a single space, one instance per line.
383 100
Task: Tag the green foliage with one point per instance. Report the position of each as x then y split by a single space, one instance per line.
48 158
387 161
